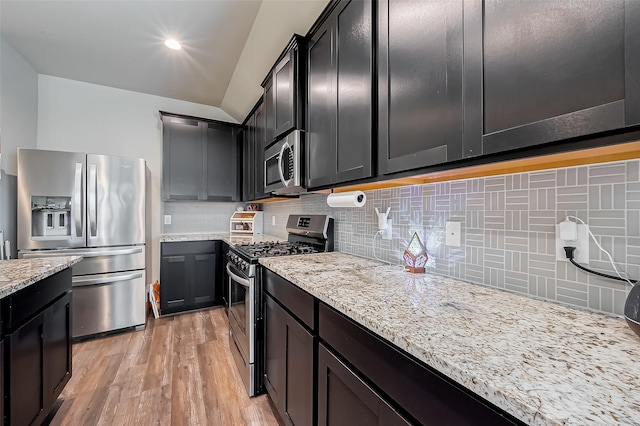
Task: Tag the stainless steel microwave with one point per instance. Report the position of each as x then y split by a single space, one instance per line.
283 166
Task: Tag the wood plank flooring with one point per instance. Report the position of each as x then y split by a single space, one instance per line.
178 371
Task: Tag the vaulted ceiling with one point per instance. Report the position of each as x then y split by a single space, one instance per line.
228 45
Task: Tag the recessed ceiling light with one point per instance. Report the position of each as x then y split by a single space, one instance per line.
172 44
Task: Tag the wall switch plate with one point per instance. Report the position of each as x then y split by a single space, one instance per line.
453 231
167 219
273 220
581 255
388 233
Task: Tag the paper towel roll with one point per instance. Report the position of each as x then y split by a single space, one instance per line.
347 199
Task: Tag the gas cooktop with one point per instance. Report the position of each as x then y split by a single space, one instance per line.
274 248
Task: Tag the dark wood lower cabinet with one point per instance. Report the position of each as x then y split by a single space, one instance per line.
289 362
344 399
26 373
37 334
190 276
57 347
359 377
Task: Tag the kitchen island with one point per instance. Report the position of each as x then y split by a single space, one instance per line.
35 339
21 273
541 362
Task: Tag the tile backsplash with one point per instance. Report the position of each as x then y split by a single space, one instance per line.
198 217
508 229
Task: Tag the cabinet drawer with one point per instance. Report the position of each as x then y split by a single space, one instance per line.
20 306
299 302
421 391
188 247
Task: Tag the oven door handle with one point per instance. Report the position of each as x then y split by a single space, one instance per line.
237 278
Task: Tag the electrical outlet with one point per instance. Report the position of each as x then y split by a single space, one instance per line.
388 233
273 221
581 255
167 219
452 234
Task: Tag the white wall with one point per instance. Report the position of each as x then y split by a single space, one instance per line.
77 116
276 22
18 127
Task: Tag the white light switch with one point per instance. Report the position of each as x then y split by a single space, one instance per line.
452 232
167 219
273 220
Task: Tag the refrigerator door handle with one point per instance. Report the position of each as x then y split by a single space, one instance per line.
93 199
104 279
78 201
78 252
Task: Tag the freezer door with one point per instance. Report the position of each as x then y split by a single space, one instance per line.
51 199
115 201
108 302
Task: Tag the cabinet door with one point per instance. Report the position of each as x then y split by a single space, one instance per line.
183 162
353 85
420 83
339 107
259 143
543 71
298 401
203 291
2 390
222 171
320 140
321 106
269 112
57 348
26 373
289 364
275 351
174 284
283 94
248 158
345 400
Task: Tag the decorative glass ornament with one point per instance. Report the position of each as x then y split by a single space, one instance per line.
415 255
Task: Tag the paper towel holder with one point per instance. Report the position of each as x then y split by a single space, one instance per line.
347 199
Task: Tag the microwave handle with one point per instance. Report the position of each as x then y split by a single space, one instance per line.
284 146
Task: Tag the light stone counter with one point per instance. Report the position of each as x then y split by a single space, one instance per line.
544 363
231 239
20 273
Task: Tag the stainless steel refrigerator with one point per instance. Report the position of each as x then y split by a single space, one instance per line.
95 206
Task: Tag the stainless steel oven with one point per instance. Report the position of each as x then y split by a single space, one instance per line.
283 166
306 234
243 310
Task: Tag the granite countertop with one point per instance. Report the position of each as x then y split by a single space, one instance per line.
20 273
231 239
544 363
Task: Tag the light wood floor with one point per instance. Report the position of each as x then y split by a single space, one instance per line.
178 371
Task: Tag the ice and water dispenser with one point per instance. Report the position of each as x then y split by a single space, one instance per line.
50 216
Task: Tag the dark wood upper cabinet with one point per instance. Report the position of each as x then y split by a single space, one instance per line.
420 45
259 143
254 140
541 71
248 159
340 96
222 168
200 159
284 91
